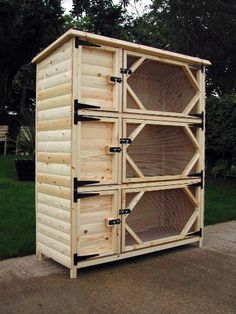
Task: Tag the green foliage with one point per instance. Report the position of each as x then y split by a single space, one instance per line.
221 129
25 28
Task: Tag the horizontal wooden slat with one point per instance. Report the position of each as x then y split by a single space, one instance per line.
54 212
57 124
53 201
54 102
53 136
56 256
53 179
54 147
53 233
63 170
56 158
53 223
55 113
54 244
60 67
57 191
59 90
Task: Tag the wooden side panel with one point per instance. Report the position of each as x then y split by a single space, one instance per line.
53 155
95 67
94 234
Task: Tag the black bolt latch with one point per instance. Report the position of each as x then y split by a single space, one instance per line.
115 79
125 140
125 71
115 149
113 222
124 211
78 117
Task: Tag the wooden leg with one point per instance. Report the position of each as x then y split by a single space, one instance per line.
200 242
40 256
73 273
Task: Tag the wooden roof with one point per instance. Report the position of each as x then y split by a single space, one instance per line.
103 40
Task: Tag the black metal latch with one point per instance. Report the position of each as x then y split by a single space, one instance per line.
80 258
125 71
115 149
115 79
125 140
124 211
112 222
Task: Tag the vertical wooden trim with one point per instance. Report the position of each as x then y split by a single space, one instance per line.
74 156
36 163
120 157
123 218
119 229
202 153
124 149
124 84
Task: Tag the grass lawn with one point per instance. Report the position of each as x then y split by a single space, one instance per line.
17 216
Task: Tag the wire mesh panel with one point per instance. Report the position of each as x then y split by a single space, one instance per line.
152 86
158 214
158 151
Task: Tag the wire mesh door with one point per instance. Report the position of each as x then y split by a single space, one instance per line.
159 215
158 151
159 86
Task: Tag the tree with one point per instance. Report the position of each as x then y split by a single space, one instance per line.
101 17
221 130
199 28
26 27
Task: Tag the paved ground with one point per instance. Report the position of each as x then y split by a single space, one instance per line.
184 280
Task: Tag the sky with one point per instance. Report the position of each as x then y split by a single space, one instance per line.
137 8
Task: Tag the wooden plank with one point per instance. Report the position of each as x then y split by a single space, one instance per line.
54 136
57 124
134 96
54 212
54 158
134 235
133 165
51 253
54 113
53 201
63 181
54 102
190 222
191 78
135 200
54 190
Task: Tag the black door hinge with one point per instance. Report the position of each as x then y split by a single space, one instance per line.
78 106
113 222
198 175
80 258
197 233
125 71
80 42
79 183
198 115
197 125
124 211
197 67
115 149
125 140
78 117
115 79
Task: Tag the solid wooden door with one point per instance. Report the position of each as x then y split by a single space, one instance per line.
98 70
98 150
96 236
